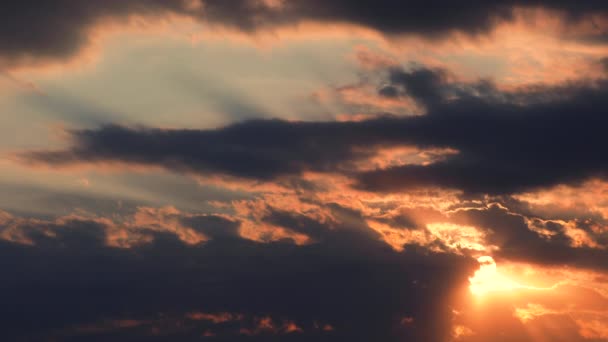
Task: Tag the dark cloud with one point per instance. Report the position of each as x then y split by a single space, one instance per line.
348 279
513 234
261 149
516 232
422 84
31 30
215 227
69 285
604 63
507 141
389 91
58 29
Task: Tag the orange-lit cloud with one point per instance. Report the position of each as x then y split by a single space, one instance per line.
122 232
587 199
536 47
214 317
208 322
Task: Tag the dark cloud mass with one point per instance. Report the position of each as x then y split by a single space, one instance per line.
507 141
31 30
517 241
349 280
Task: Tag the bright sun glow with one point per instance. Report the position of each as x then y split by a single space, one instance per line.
488 279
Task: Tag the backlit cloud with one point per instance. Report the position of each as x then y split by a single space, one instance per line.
304 170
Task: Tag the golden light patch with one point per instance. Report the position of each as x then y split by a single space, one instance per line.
488 279
462 331
531 311
404 155
581 200
459 237
264 232
167 219
396 237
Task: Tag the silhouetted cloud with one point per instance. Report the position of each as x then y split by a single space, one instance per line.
349 279
424 85
514 234
33 30
506 141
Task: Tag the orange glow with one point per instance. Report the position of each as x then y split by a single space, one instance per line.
167 219
488 279
459 237
397 237
215 318
582 200
461 331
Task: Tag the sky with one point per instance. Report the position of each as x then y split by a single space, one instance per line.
304 170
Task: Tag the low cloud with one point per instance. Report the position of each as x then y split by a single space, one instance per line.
349 285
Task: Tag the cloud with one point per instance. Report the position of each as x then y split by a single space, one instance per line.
347 276
506 141
32 31
348 284
533 240
365 229
260 149
348 280
122 231
424 85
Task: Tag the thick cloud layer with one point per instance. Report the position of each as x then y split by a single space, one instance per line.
63 280
31 30
350 280
506 141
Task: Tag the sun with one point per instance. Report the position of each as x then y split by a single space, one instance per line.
487 279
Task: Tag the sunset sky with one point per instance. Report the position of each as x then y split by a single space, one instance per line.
304 170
